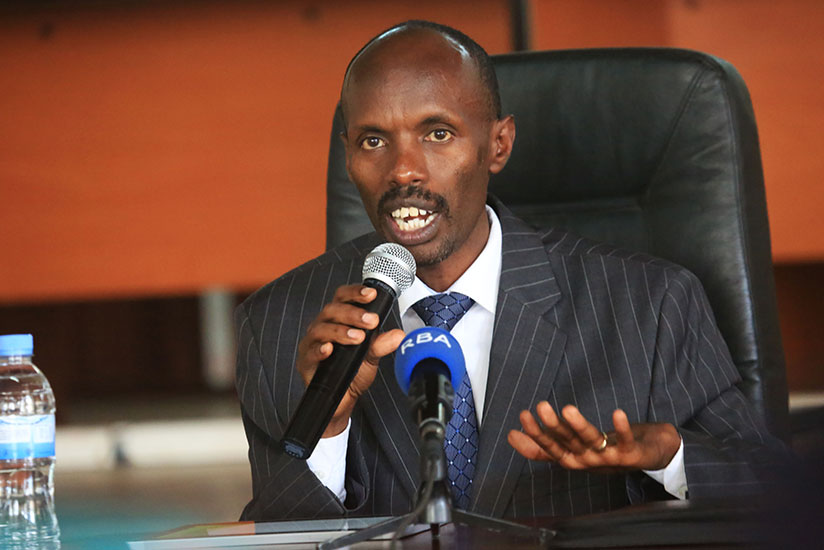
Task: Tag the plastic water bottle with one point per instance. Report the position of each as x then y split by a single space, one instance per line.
27 517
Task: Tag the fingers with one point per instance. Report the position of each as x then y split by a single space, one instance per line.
320 352
574 443
623 431
527 446
356 293
568 439
384 344
545 439
532 428
571 430
342 324
342 320
587 436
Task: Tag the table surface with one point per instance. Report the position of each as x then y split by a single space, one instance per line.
103 510
708 524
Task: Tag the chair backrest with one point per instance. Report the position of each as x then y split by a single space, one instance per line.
653 149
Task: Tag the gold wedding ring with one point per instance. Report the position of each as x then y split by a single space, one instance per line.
603 444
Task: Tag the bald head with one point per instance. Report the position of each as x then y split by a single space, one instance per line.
430 49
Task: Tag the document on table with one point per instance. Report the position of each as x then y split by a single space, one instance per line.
249 534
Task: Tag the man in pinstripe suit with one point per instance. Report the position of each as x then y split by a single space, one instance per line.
616 352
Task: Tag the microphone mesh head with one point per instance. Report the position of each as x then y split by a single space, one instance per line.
392 264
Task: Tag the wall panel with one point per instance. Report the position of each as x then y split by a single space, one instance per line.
779 49
165 147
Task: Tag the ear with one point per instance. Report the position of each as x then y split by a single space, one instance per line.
503 138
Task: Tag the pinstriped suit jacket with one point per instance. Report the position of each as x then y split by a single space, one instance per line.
576 322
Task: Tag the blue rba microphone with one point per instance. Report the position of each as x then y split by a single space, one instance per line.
429 364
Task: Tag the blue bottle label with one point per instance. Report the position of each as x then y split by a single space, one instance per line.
26 436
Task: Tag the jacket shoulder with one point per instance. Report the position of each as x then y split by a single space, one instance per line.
559 242
350 252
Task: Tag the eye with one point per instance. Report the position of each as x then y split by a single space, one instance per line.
440 135
372 142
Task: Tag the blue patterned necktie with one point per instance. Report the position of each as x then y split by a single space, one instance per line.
461 441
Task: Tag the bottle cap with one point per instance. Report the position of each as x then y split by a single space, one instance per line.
16 344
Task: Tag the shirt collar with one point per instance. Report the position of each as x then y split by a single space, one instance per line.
475 281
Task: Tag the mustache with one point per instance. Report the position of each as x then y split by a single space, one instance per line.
409 191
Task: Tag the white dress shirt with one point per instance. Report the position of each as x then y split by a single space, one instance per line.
474 334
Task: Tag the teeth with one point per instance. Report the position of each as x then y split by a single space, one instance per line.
409 212
414 223
411 218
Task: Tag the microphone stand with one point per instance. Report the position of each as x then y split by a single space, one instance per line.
434 503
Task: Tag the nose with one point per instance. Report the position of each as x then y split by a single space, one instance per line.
409 166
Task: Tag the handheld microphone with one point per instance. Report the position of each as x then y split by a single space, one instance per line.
428 364
390 270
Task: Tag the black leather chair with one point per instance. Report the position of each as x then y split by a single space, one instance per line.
652 149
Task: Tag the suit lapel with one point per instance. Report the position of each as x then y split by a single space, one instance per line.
384 404
385 407
526 352
524 359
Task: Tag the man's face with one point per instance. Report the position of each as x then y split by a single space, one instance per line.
420 143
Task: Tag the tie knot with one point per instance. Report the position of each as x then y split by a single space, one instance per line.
443 310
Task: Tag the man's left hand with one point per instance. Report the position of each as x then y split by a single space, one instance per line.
574 443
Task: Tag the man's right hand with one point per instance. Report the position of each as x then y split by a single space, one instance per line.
343 321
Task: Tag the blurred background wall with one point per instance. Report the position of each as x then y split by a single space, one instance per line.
154 154
159 160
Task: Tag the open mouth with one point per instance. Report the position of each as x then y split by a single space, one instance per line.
412 218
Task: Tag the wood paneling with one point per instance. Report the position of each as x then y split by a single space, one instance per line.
107 349
563 24
801 313
166 147
779 49
154 148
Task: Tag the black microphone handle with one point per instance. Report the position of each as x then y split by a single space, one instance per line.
431 396
331 380
432 399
